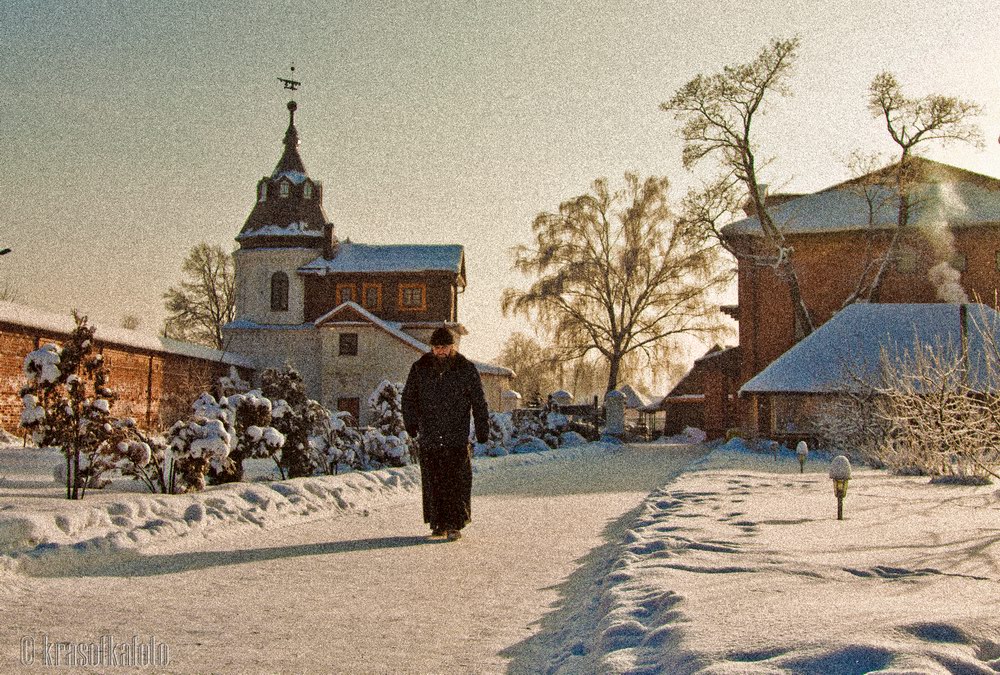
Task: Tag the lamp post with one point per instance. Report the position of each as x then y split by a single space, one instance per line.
802 450
840 472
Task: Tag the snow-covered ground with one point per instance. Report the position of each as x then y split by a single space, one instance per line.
737 565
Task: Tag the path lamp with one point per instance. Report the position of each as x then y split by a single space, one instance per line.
840 472
802 450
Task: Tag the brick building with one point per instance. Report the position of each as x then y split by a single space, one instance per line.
949 252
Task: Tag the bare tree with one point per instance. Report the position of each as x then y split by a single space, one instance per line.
911 123
616 274
717 113
535 371
204 302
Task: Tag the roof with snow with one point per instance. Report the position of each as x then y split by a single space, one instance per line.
352 257
632 398
846 351
288 208
944 194
352 313
22 315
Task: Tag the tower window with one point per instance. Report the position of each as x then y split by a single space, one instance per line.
307 190
279 292
263 192
284 190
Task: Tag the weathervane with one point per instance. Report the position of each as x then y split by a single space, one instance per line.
290 84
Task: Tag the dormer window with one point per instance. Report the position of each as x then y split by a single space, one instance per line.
307 190
263 192
284 190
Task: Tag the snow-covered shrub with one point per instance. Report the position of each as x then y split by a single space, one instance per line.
922 414
199 444
296 416
569 439
526 445
555 425
500 436
389 444
67 405
335 443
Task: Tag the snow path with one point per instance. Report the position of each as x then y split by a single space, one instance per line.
358 594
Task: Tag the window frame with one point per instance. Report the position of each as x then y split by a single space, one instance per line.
367 286
307 190
345 346
422 287
284 189
343 287
906 261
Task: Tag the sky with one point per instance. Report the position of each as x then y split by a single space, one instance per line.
133 131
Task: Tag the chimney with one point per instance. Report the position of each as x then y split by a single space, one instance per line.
330 243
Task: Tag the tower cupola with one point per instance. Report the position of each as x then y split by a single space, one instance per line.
288 212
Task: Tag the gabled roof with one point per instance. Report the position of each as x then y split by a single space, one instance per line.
944 193
849 346
352 257
352 313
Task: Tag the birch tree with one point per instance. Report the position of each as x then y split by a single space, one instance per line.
615 273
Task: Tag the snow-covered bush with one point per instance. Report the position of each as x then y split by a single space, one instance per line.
526 445
67 405
387 442
569 439
296 416
199 444
923 414
335 443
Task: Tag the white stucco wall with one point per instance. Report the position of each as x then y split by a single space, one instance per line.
275 347
380 356
254 268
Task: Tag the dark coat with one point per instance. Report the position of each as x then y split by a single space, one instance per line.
438 399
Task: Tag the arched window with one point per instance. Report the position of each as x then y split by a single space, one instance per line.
279 292
284 190
307 190
263 192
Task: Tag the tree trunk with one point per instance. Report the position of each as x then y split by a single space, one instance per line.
614 365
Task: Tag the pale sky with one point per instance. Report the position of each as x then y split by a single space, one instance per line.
134 130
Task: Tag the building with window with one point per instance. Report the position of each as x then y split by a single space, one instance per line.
839 238
345 315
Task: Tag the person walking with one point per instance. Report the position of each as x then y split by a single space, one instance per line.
442 389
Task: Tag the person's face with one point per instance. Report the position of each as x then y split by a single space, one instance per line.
441 351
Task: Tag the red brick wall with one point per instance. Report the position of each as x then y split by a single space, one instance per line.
156 388
828 266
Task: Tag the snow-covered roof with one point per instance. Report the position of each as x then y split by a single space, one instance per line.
849 346
352 257
32 317
299 228
296 177
387 326
395 329
951 195
632 398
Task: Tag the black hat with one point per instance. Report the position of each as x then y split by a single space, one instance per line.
442 336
